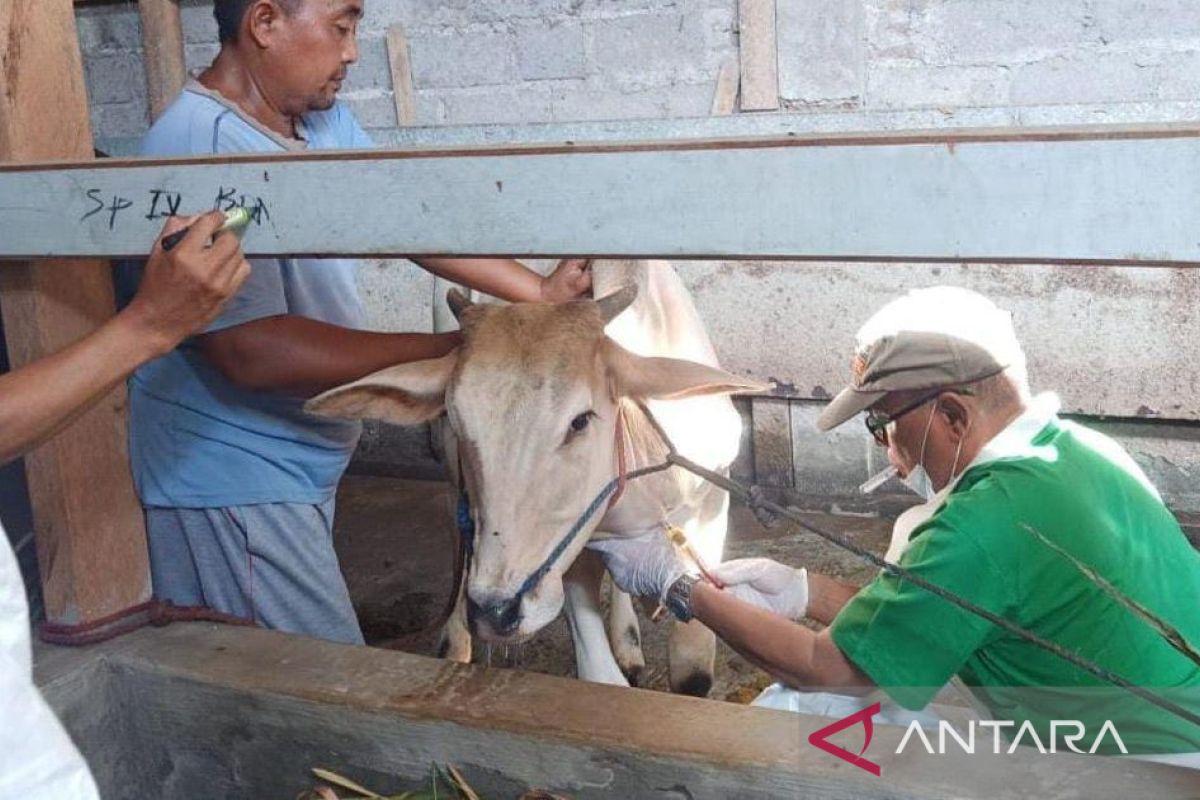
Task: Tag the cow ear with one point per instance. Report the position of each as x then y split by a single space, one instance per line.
668 378
405 394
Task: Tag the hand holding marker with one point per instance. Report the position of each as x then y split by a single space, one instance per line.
236 220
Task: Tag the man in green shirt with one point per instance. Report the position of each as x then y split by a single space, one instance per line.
1012 489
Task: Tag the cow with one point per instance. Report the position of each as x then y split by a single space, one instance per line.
537 399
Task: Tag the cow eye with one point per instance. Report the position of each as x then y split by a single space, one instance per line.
580 423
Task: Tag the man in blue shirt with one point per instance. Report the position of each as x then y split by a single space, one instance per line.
238 482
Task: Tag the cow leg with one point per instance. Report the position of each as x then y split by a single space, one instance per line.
691 653
624 635
593 657
692 648
455 643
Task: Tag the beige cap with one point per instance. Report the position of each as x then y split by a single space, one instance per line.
928 338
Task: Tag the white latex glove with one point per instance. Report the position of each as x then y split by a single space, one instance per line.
644 566
767 584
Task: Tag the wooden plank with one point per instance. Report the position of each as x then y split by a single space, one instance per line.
401 67
756 43
162 52
1105 197
725 94
91 544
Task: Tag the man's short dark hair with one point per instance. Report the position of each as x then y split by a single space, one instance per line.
230 13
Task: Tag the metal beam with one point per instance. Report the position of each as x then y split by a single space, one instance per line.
781 124
1100 195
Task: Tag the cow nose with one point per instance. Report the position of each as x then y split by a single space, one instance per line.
502 615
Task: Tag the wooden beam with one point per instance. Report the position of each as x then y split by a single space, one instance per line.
1105 195
401 68
91 543
162 52
756 44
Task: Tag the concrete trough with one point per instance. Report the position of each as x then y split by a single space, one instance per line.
200 710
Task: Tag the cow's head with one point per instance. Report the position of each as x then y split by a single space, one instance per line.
532 395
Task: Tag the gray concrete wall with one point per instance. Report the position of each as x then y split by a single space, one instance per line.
1110 341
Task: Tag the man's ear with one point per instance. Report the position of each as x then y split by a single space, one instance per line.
668 378
260 21
957 413
405 394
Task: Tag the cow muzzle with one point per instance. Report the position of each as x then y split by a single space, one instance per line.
494 617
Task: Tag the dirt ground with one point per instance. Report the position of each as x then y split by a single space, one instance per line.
395 541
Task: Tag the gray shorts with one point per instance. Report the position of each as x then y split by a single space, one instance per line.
273 563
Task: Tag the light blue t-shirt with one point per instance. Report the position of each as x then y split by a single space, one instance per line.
196 440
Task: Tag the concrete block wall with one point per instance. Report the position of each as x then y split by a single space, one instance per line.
485 70
473 61
532 61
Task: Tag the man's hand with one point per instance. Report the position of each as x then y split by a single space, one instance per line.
767 584
644 566
571 280
180 292
184 289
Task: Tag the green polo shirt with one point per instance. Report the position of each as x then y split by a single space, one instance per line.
1081 491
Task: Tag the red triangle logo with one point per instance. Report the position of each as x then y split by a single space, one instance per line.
820 739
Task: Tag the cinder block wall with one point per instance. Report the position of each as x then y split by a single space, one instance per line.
1113 342
1027 62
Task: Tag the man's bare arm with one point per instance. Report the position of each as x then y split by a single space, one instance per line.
790 652
181 291
303 357
511 280
826 596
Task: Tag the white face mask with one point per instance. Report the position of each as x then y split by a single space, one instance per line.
918 479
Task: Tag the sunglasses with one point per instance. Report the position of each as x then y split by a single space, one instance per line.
877 421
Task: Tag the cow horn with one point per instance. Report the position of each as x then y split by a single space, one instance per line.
613 304
458 302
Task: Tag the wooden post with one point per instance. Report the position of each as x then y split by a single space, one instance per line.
756 44
162 52
401 68
91 541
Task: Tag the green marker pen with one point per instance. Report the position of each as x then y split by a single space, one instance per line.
236 221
